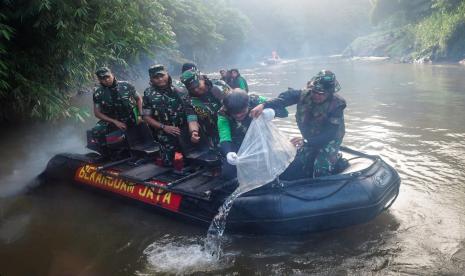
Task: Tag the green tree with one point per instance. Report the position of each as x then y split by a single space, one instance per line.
51 47
206 30
435 27
401 11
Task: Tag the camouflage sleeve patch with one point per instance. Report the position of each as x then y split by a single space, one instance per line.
220 89
336 117
255 100
146 105
336 120
178 84
97 96
188 106
132 91
147 111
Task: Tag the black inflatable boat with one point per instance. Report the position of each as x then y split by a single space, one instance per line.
358 194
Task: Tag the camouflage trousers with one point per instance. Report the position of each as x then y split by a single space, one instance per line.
209 137
100 130
103 128
314 162
169 144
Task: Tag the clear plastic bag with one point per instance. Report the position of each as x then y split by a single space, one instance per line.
264 154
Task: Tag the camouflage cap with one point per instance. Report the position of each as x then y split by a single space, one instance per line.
324 82
157 69
103 72
188 66
191 78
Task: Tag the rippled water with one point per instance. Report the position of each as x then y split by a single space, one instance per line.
411 115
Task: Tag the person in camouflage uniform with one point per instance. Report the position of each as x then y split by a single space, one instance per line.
320 118
163 112
202 106
116 104
234 121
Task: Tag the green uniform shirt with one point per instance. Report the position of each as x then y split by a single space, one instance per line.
164 105
118 102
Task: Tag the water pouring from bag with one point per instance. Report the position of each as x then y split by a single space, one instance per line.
264 154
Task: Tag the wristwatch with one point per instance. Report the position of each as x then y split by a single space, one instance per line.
162 126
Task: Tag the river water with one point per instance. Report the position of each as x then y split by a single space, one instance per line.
411 115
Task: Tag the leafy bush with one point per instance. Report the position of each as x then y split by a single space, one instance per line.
51 47
435 27
439 31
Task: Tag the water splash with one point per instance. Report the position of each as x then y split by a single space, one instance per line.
213 241
190 255
181 256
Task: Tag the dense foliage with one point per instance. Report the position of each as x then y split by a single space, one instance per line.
207 31
50 48
434 29
440 35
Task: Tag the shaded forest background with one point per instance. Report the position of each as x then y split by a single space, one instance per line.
49 49
421 31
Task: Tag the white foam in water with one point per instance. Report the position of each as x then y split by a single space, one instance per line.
180 256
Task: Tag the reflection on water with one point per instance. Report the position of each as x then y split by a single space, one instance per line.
411 115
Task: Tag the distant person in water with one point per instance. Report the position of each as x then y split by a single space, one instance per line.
320 118
237 81
116 104
274 55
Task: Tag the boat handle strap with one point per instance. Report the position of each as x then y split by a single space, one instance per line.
392 201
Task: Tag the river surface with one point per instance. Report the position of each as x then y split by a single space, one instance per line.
411 115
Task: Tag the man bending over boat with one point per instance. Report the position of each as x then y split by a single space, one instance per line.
163 112
202 105
233 123
320 118
116 104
